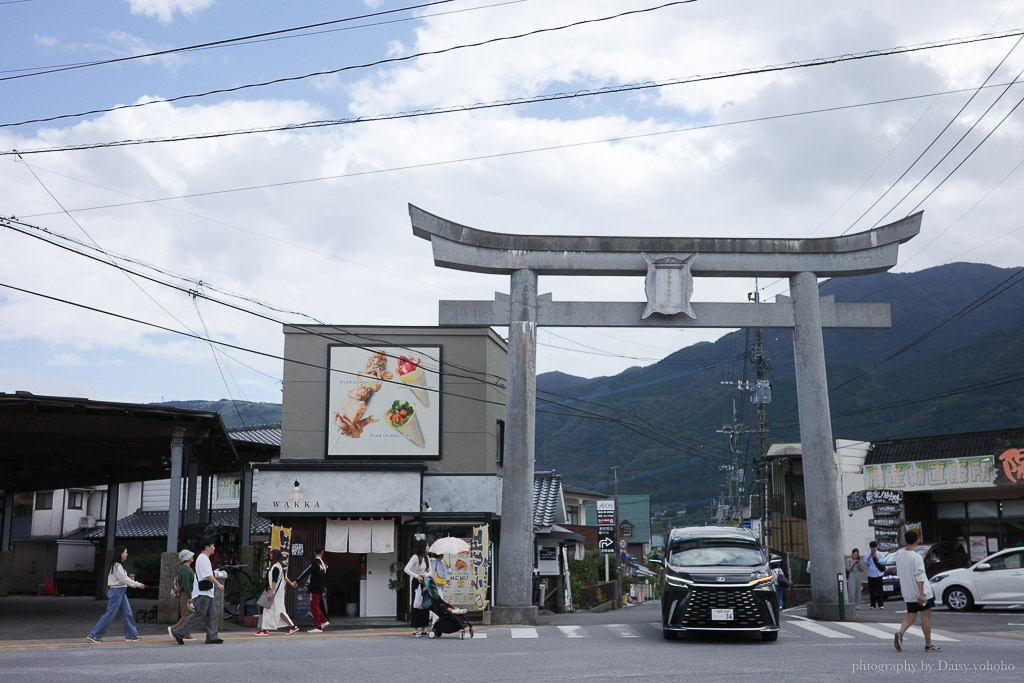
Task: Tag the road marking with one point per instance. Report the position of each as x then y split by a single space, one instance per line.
571 631
916 630
870 630
815 627
623 631
478 635
524 632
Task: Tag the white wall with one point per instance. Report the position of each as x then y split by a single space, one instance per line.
856 531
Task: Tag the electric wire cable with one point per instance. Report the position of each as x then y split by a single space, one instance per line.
218 43
353 67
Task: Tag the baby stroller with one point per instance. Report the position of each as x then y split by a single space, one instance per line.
449 619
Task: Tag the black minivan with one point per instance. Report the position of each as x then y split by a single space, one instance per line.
717 579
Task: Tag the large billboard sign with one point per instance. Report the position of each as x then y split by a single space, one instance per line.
384 401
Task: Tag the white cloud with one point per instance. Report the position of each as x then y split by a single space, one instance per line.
342 249
45 41
164 10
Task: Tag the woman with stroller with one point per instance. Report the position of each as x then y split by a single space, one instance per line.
449 619
275 616
418 568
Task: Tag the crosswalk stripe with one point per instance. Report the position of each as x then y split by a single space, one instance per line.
528 632
815 627
477 634
623 631
571 631
916 630
870 630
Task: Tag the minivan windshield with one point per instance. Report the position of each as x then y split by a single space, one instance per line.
714 552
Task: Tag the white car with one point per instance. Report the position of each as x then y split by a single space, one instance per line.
996 580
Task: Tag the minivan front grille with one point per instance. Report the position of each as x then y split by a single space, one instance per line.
697 610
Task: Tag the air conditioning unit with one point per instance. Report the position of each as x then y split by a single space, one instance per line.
87 522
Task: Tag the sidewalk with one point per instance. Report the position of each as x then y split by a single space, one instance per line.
25 619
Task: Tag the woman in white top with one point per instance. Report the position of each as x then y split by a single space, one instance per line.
275 616
118 583
418 567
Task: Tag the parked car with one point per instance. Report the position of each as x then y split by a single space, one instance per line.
717 579
938 557
996 580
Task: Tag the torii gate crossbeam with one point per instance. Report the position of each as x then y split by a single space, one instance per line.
669 264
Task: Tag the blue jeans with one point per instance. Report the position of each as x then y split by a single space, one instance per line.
781 592
117 603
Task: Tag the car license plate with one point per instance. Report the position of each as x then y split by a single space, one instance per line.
721 615
889 589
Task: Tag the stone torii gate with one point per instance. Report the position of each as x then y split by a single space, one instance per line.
669 264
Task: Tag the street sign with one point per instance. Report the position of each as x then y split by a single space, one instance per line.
622 543
606 512
606 539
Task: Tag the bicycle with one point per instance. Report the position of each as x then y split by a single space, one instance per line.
238 589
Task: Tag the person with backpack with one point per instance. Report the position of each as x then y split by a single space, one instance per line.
317 573
183 589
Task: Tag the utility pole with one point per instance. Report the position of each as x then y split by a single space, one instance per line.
618 532
762 396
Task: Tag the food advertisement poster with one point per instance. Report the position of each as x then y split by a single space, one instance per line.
468 573
384 401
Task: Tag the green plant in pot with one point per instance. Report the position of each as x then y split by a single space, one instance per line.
397 581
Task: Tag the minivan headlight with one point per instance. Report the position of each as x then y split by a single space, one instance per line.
759 577
677 581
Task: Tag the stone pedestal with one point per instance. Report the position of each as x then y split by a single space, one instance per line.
526 614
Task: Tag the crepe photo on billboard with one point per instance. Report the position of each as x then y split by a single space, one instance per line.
384 401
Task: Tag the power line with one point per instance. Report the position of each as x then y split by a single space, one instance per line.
328 72
218 43
482 157
952 120
534 99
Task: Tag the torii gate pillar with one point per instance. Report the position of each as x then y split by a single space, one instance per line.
669 264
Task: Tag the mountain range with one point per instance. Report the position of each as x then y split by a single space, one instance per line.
952 362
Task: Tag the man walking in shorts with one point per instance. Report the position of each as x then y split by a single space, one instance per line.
916 591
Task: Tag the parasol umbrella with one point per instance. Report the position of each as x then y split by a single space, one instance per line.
449 546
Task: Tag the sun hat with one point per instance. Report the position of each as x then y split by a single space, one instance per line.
185 555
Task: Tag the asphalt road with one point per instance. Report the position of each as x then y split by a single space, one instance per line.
614 646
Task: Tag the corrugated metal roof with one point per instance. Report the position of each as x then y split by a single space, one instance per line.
153 524
940 447
547 492
269 435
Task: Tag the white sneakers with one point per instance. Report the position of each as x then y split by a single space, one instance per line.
315 630
458 610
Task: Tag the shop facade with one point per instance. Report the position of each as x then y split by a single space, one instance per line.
389 434
968 486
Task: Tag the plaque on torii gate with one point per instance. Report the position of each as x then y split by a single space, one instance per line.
668 263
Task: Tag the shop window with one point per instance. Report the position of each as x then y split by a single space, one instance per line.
1013 508
983 509
75 500
228 486
949 510
572 514
44 501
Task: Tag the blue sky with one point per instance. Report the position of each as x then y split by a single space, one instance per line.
341 249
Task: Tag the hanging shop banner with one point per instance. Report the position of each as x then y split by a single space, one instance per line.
467 585
859 499
978 549
384 401
1010 464
922 475
281 539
